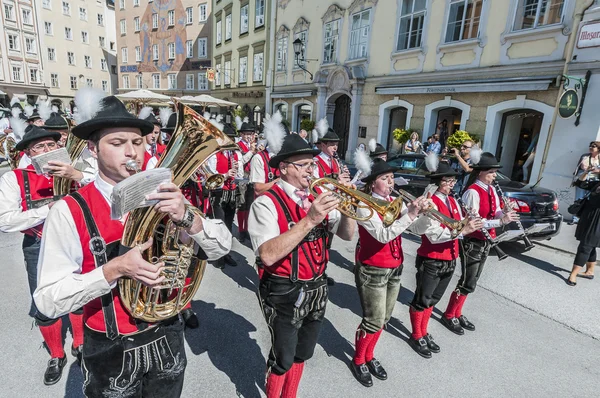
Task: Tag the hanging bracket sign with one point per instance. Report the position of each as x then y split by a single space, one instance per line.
568 104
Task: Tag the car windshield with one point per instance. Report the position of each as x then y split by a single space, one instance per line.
416 165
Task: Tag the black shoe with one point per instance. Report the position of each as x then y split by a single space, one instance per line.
570 283
330 281
229 260
361 372
244 236
433 347
190 318
420 347
54 370
453 325
220 263
464 322
77 353
376 369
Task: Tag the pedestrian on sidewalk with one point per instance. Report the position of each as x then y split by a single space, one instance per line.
588 235
588 169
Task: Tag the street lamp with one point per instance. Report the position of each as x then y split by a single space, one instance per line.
298 45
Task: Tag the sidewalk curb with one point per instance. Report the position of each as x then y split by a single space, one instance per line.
555 248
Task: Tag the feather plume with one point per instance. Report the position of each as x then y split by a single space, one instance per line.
432 161
13 101
18 127
55 108
322 127
88 103
16 112
246 120
145 112
475 154
206 115
28 110
238 122
164 114
372 145
274 132
315 136
219 118
363 162
44 110
217 124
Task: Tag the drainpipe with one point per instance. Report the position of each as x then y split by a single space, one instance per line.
271 44
568 56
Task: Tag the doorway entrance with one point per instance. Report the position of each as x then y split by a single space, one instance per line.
397 121
341 122
447 123
517 142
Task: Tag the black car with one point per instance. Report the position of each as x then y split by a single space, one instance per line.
534 205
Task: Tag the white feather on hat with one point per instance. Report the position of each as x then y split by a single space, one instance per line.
362 161
219 118
246 120
315 136
274 132
164 114
206 115
28 110
54 108
217 122
322 127
238 122
88 103
432 162
145 112
372 145
44 110
18 127
475 154
16 112
14 100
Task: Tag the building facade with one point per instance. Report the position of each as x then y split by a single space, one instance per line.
491 68
21 69
164 46
242 31
78 48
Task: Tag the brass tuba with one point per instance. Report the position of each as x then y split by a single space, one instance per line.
193 142
74 146
13 154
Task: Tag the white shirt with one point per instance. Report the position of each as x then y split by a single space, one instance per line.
262 218
328 160
211 165
24 162
432 228
374 225
62 287
12 216
4 124
88 165
471 199
248 155
257 169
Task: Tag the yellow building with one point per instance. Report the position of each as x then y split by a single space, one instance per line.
491 67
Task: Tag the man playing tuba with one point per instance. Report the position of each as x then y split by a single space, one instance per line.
123 355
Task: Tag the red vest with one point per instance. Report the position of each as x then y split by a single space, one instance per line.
111 231
224 165
325 170
160 149
193 192
312 264
446 251
374 253
147 157
40 187
245 148
487 209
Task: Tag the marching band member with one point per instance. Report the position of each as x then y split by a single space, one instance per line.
437 255
168 119
248 148
482 198
122 355
25 200
327 164
376 151
222 200
379 263
152 154
263 176
289 229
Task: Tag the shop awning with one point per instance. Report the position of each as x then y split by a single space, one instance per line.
469 86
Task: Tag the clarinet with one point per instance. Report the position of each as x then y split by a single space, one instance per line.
342 166
472 213
507 207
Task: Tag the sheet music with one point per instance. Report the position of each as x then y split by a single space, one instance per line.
430 190
400 181
131 193
40 162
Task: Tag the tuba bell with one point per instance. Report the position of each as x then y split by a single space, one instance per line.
193 142
74 146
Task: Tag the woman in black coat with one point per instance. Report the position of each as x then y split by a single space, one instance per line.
588 235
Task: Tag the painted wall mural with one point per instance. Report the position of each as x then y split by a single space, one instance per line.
161 36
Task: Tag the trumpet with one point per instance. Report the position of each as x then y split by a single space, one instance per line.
211 181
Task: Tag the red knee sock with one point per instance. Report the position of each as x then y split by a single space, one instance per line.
452 303
76 329
371 348
460 302
292 380
416 318
425 320
242 220
361 342
274 385
53 337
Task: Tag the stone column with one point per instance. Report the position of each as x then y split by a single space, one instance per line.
354 117
321 101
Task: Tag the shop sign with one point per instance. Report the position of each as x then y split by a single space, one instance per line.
589 35
568 104
129 68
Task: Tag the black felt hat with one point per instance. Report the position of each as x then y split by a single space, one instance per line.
330 136
152 119
229 130
487 162
34 133
34 116
246 126
379 167
171 123
292 145
443 170
56 122
379 150
112 113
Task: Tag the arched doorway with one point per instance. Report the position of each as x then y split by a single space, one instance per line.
301 111
58 103
397 120
257 117
448 121
282 107
455 113
341 121
518 139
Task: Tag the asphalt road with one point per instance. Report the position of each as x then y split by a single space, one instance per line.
536 336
